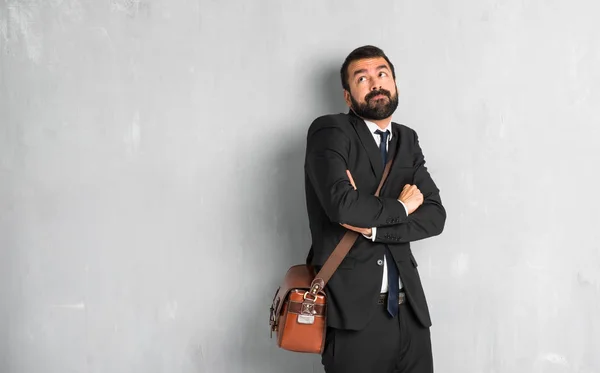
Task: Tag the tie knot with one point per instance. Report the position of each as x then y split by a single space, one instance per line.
383 135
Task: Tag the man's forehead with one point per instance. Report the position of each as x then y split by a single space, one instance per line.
367 63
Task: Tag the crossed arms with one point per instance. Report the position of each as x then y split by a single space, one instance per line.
326 166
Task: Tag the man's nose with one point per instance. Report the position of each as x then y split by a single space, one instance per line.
375 87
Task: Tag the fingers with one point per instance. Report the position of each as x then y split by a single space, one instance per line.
351 179
351 227
410 189
411 192
356 229
414 188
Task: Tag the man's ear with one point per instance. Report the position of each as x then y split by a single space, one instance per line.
347 98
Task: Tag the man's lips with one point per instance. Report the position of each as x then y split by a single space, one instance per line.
378 97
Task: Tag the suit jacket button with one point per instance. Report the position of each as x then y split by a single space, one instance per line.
380 262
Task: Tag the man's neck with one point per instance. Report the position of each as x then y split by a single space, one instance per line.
383 123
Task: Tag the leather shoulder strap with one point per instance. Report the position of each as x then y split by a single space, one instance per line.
342 249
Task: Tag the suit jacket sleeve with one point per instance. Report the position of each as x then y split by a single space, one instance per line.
429 219
326 164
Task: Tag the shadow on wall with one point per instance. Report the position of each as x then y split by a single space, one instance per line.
286 190
327 98
289 194
290 242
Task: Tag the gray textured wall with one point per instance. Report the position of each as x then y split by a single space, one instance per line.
151 186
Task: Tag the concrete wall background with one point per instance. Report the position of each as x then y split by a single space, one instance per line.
151 186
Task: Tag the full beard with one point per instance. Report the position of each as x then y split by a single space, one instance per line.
376 109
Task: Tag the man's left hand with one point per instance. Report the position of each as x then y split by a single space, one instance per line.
366 231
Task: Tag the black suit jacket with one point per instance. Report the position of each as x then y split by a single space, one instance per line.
343 141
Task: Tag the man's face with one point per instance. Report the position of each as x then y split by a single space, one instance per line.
373 94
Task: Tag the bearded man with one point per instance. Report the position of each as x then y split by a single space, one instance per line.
377 316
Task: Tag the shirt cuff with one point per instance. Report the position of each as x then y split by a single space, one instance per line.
403 205
373 234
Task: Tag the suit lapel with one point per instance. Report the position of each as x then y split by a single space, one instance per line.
393 145
366 138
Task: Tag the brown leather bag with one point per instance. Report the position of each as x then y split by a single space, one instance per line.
298 313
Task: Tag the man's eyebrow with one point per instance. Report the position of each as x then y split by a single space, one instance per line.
361 71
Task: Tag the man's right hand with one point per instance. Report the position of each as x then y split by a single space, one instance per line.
412 197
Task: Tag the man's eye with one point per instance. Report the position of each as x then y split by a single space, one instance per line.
382 74
362 79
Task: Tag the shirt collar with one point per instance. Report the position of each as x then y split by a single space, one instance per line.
374 127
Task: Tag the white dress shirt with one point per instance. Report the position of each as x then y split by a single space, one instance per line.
372 128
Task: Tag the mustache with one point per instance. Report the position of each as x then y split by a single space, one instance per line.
381 91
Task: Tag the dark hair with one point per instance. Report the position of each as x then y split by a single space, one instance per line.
361 53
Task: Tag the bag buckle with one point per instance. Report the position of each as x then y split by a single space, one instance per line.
307 313
315 287
309 297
